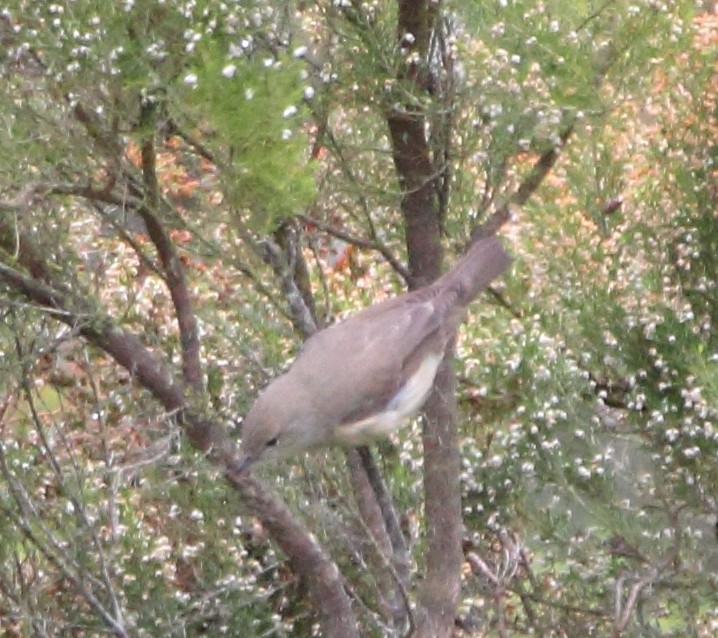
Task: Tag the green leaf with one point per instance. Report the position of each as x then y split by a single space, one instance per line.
254 110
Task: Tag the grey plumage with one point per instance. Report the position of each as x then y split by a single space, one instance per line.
361 378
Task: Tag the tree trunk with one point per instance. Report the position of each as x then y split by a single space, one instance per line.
439 594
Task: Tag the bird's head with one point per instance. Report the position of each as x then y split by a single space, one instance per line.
273 432
262 440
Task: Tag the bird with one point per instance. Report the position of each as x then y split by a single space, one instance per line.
360 379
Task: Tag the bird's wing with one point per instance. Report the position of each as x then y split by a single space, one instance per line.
364 359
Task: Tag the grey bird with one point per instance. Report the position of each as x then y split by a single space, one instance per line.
360 379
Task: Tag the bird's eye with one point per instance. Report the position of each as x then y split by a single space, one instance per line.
272 442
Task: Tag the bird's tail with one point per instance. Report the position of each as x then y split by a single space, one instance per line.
484 261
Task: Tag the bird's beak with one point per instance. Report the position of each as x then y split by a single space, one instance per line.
243 464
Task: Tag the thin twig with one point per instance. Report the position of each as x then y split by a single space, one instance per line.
349 173
360 242
371 519
541 168
54 555
584 23
323 280
503 302
110 475
301 315
175 129
78 507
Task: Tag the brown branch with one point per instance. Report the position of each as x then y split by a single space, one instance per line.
133 203
174 271
144 258
124 347
504 303
288 237
307 558
102 196
400 552
175 129
418 202
391 604
596 14
109 143
324 319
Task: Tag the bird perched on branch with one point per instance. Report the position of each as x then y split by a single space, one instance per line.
360 379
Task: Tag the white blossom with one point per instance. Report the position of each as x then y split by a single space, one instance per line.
229 71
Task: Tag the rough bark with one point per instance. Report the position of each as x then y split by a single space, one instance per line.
400 552
288 237
412 155
440 591
306 557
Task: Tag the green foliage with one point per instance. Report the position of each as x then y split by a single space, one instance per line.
254 108
155 554
111 58
614 416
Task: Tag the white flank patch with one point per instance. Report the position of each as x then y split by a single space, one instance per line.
405 402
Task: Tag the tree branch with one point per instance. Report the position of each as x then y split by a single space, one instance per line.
108 142
541 168
374 243
360 242
172 270
175 129
175 275
123 347
391 603
391 522
307 558
299 311
288 238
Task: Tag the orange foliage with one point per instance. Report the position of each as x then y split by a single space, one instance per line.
133 153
